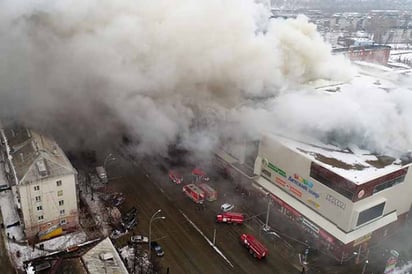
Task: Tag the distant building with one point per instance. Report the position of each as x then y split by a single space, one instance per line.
43 182
368 53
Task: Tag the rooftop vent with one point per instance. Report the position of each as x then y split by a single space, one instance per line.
42 168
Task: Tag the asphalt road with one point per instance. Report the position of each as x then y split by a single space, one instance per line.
186 251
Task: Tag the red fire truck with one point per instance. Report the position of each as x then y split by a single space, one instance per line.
210 192
256 248
195 193
230 217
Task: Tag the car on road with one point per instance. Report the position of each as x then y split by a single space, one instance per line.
157 248
175 177
139 239
226 207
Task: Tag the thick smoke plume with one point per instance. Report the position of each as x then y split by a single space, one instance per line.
178 71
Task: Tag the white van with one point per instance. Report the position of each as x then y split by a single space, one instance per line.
101 173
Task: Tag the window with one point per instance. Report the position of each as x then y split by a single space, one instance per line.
370 214
388 184
62 212
60 193
40 217
332 180
61 202
36 188
59 183
39 208
38 198
63 221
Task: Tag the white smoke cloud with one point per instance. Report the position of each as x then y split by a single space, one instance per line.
157 69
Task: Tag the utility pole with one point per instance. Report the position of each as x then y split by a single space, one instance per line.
267 214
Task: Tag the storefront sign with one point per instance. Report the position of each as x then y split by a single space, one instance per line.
391 263
307 183
274 168
313 203
303 186
335 201
295 191
280 182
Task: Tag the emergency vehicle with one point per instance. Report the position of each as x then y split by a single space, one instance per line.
210 192
256 248
195 193
230 217
175 177
199 175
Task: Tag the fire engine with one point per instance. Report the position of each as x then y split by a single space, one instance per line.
195 193
175 177
256 248
230 217
210 192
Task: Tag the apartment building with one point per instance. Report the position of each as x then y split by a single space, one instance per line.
43 182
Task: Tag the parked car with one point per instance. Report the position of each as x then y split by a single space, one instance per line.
139 239
130 214
175 177
226 207
130 224
118 232
157 248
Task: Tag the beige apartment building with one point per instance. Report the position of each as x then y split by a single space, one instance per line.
43 182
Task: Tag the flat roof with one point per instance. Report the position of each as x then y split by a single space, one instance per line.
95 265
354 164
321 221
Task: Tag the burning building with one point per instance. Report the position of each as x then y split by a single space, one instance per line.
345 198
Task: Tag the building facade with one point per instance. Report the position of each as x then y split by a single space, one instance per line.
344 199
43 182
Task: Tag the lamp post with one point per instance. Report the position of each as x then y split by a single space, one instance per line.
266 226
364 266
153 218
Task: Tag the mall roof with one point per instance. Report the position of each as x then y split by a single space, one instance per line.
354 164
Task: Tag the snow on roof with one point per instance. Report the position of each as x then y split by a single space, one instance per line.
36 156
96 265
356 165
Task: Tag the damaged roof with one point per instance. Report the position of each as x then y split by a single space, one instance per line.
354 164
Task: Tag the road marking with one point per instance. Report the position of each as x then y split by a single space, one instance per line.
207 239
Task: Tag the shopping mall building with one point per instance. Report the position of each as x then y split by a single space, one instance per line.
345 198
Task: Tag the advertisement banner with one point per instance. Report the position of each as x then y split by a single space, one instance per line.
391 263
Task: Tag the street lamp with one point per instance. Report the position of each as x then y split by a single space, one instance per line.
153 218
266 225
364 266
